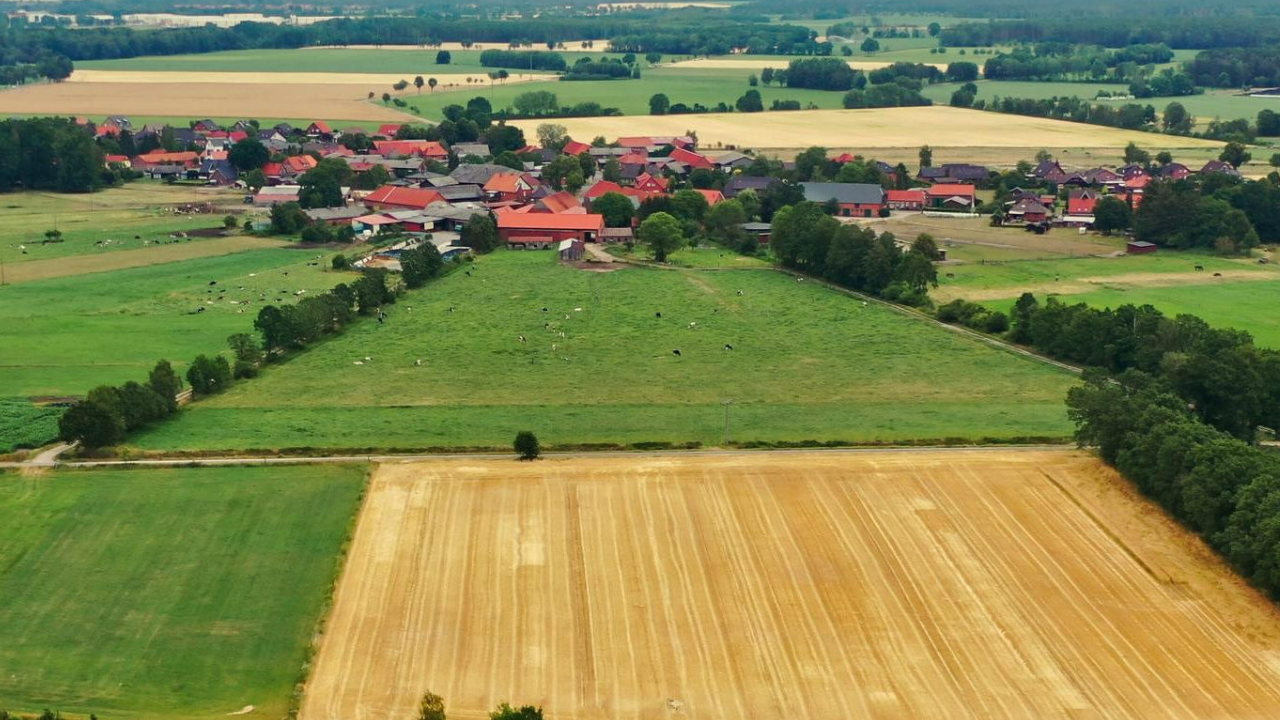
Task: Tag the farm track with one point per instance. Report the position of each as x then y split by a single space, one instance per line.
801 585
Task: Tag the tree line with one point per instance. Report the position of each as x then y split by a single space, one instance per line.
806 238
1193 31
524 60
50 154
1061 61
1236 67
1219 374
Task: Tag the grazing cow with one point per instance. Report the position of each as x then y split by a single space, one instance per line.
521 338
727 346
1217 274
676 353
213 282
1199 268
657 314
739 292
951 275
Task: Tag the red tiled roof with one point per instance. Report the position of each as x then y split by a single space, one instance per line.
116 158
690 158
319 126
600 188
712 196
272 169
416 198
573 147
389 130
843 158
1081 206
633 158
238 135
949 190
503 183
904 195
300 163
159 157
560 202
551 221
425 148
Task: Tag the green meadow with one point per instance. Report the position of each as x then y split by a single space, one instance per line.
598 366
166 593
63 336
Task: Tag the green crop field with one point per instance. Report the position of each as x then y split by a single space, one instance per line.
1222 104
24 425
331 60
807 364
66 335
166 593
700 257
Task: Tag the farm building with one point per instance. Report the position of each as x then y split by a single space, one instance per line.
273 194
853 199
409 148
1139 247
612 235
530 242
571 250
553 226
950 197
1028 210
905 199
392 197
761 231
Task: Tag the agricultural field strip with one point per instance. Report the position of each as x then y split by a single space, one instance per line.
807 586
224 77
125 259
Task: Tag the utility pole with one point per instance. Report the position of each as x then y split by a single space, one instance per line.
726 404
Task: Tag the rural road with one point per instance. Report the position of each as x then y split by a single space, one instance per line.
325 459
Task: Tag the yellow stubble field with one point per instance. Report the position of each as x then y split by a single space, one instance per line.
914 584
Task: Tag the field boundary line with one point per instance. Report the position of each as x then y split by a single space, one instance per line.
1106 530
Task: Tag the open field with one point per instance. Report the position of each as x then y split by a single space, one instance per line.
942 127
166 593
700 257
807 363
371 80
170 99
1223 104
141 209
974 240
1012 584
63 336
753 63
186 249
355 59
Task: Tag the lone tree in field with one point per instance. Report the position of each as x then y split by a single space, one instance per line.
527 446
432 83
418 82
431 707
506 712
662 233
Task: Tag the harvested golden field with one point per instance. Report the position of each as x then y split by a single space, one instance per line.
150 95
939 126
373 81
893 584
762 63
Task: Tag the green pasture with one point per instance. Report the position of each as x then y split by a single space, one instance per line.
699 257
64 336
116 214
807 363
166 593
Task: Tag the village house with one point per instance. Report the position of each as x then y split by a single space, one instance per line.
851 199
1081 202
1174 171
427 149
509 187
739 183
1027 210
1219 166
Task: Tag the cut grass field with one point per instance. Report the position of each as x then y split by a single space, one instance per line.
166 593
64 336
1241 296
910 584
807 364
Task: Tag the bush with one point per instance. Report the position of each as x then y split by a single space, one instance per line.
526 445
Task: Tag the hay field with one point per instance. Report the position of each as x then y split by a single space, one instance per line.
1008 584
149 95
371 80
762 63
939 126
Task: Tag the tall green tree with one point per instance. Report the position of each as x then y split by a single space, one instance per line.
662 233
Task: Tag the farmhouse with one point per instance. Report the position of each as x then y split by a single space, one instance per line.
508 187
409 148
948 196
1081 202
530 228
1028 210
851 199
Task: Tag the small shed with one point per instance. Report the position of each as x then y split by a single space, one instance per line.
761 231
614 235
571 249
1139 247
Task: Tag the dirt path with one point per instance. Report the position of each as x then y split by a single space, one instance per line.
808 585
